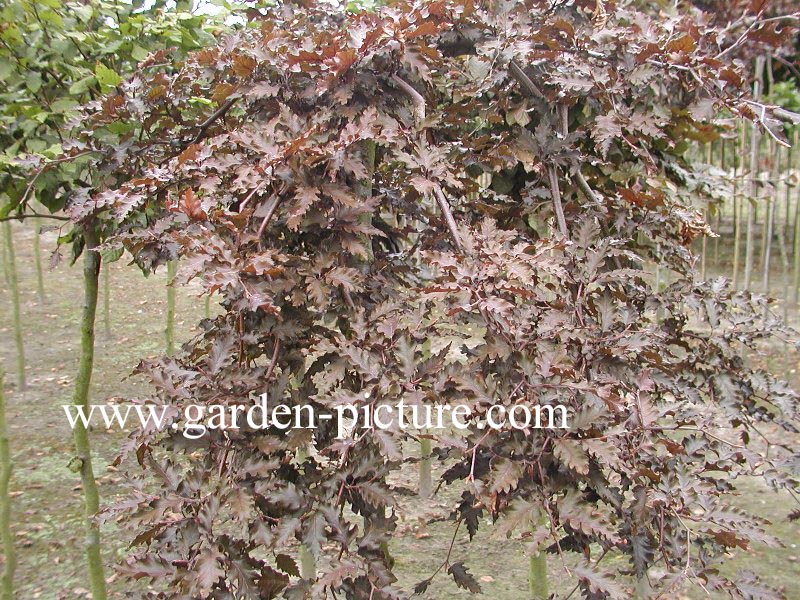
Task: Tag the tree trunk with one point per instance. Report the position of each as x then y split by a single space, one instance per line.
718 215
13 287
768 244
765 177
537 575
772 217
784 252
169 331
308 564
796 232
9 555
787 208
425 480
106 300
37 257
706 215
753 188
3 257
91 275
737 213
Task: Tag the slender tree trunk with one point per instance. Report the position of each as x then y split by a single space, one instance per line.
91 275
169 331
106 299
658 278
753 187
796 232
706 214
796 255
737 217
657 274
9 555
787 208
308 564
37 257
13 286
765 178
783 249
662 281
770 75
769 223
3 257
718 216
537 575
425 479
772 212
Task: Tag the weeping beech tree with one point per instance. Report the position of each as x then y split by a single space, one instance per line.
351 278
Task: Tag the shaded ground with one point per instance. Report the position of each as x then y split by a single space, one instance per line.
47 497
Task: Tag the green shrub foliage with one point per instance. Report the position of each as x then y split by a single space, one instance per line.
56 56
446 202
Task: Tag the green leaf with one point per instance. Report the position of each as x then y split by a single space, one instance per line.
34 81
36 145
6 208
62 105
106 77
80 86
83 12
111 255
52 201
76 249
139 53
53 151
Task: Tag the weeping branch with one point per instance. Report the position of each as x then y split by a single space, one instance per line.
268 216
32 182
217 114
274 360
416 97
758 22
250 195
552 174
519 74
556 194
441 200
585 188
448 216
